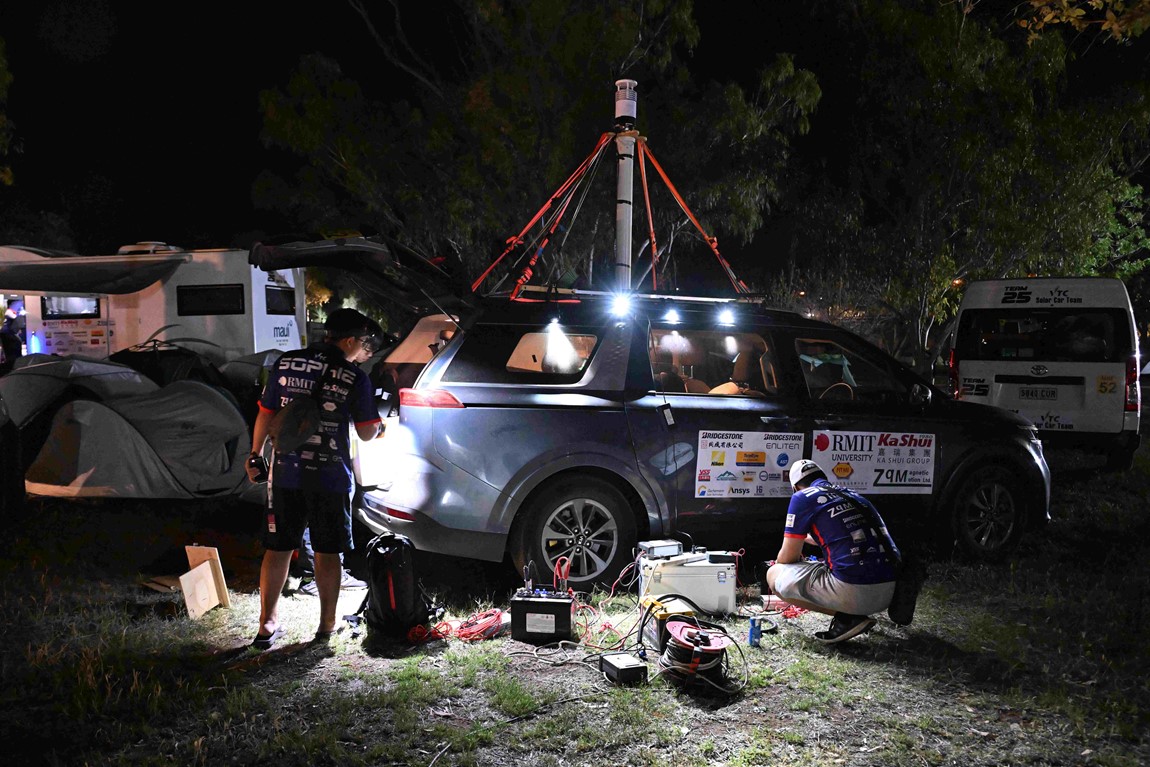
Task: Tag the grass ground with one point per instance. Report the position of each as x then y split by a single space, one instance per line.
1040 661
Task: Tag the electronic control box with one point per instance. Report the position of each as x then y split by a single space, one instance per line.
707 578
541 616
661 548
623 668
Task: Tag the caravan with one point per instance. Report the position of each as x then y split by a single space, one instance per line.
85 426
1063 352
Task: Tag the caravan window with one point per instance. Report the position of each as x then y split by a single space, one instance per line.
69 307
1086 335
200 300
279 300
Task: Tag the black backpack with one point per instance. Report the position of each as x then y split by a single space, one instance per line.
395 602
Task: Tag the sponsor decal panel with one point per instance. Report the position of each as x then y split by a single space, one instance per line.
734 464
876 462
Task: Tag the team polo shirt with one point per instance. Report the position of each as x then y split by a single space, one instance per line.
345 396
849 530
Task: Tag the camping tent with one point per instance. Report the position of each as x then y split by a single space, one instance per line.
33 386
186 440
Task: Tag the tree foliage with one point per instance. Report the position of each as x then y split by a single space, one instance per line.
969 158
1115 20
6 177
491 127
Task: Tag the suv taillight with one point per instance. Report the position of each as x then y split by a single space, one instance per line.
427 398
1133 389
952 369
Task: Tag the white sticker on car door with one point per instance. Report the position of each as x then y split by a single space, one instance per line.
745 464
874 462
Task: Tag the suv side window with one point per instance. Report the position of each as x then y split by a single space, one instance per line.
519 354
834 369
712 362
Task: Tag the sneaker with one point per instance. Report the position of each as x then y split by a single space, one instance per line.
308 588
844 626
350 583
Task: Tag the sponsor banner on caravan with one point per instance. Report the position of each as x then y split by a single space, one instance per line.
745 464
874 462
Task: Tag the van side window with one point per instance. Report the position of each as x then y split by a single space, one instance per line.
834 370
1083 335
711 362
544 354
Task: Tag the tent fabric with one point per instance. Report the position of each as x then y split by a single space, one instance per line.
186 440
27 390
74 462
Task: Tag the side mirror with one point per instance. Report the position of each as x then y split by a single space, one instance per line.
920 394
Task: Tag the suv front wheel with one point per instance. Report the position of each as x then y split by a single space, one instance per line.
989 512
583 519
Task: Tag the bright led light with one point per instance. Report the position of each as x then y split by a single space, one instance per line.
554 320
731 346
726 317
671 316
621 305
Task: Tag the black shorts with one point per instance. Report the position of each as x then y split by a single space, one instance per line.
327 514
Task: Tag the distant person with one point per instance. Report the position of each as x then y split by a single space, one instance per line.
311 486
857 577
11 347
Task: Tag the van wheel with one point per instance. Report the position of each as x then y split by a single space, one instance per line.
581 518
989 513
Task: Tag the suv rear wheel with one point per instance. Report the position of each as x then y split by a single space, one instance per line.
989 512
582 518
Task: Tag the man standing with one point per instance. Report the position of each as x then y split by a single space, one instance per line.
857 577
310 486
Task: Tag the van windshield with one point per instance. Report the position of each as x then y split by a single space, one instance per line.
1079 335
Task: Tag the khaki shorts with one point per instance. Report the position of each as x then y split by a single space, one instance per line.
813 582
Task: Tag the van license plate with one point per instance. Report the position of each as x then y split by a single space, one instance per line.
1044 393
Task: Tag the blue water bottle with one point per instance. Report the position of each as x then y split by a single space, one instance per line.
754 632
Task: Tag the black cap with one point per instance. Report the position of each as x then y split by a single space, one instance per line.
343 323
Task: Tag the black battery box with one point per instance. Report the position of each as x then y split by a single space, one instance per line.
540 616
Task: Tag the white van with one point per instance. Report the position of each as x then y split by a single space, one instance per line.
1062 352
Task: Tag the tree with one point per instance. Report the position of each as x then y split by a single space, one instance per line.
969 158
489 130
1116 20
6 177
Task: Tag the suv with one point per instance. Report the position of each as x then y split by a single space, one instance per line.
578 424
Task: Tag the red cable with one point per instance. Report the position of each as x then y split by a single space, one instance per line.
650 222
739 285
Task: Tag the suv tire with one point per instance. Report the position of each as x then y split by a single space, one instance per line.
582 518
988 513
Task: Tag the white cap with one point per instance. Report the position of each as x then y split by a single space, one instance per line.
800 470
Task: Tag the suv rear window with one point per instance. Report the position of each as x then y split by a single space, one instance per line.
1087 335
545 354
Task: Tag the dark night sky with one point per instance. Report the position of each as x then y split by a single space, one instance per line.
163 98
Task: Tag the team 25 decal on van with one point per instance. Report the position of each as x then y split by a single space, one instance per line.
1063 353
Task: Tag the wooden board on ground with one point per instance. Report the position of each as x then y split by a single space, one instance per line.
199 589
200 554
